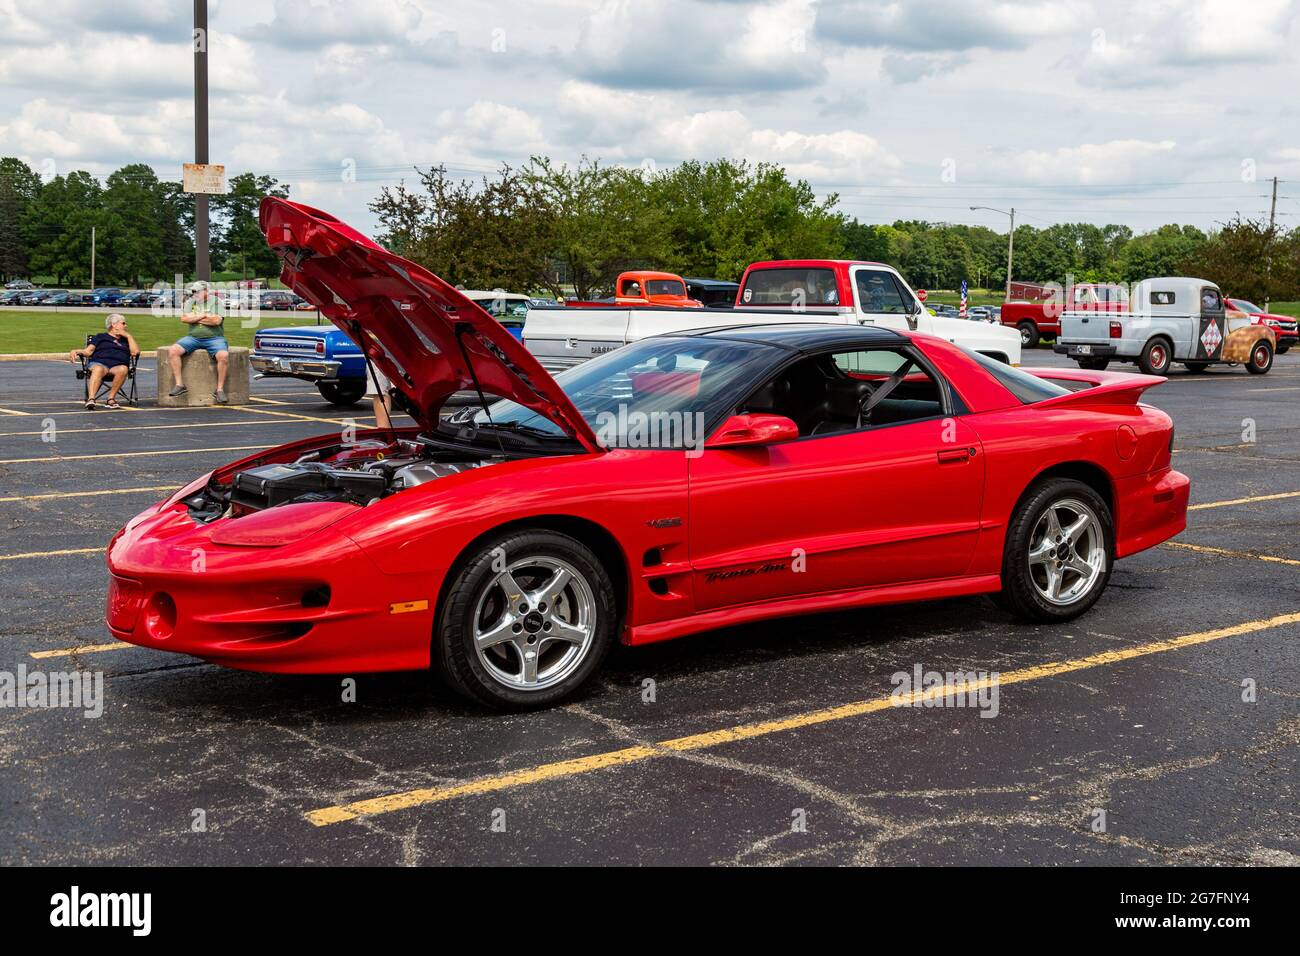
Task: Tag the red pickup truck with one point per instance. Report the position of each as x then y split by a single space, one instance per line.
1041 318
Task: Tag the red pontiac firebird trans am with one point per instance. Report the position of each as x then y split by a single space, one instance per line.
678 484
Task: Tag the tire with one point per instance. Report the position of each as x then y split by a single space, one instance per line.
1029 336
1027 569
1093 364
342 394
1196 368
478 602
1283 349
1261 358
1157 355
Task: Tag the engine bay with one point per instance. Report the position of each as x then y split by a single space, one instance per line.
358 473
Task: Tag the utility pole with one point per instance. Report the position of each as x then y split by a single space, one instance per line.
1272 218
1011 245
202 264
92 258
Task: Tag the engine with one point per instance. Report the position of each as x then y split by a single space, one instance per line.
359 475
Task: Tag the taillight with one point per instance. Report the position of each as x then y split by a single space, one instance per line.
320 347
1116 330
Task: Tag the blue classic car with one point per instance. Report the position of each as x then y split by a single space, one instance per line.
324 355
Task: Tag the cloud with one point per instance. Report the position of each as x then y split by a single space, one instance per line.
48 20
1160 43
1116 161
912 67
308 25
678 44
947 24
98 66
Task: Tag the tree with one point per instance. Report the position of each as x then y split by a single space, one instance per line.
240 245
56 227
1249 259
19 185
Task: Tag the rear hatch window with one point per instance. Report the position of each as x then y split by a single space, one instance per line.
790 287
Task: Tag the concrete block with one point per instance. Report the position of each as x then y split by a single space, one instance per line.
199 372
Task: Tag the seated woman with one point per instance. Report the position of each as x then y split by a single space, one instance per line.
109 353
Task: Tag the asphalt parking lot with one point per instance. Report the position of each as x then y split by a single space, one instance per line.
765 744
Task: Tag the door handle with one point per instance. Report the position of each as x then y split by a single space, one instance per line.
952 455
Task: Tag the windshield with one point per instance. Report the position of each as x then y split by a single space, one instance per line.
657 393
1244 305
664 287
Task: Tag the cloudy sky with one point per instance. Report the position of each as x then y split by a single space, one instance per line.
1072 110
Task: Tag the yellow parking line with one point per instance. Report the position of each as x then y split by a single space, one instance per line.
140 428
89 494
1243 501
304 418
55 459
1206 549
84 649
50 554
713 738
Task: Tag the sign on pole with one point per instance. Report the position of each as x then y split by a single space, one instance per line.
921 294
206 179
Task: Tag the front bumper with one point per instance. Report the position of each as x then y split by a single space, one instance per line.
314 369
319 606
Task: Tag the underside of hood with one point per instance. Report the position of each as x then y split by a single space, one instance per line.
423 334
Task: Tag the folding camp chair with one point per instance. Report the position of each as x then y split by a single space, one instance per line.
125 395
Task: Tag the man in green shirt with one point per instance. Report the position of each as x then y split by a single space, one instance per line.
207 332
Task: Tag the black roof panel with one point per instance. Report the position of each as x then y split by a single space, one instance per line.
805 335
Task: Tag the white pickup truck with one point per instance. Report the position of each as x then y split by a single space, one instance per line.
1168 320
803 290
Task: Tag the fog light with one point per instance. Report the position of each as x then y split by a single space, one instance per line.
160 616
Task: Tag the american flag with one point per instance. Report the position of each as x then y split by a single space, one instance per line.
961 311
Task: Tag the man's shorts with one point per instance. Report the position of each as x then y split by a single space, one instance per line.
212 344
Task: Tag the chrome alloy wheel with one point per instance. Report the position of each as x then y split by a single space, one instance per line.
1067 552
534 623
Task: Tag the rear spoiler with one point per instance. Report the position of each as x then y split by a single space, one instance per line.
1107 388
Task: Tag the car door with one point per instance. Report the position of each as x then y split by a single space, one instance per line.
881 298
1211 330
847 510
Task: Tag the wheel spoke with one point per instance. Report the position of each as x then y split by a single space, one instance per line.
1079 565
1076 528
529 656
550 592
497 633
564 631
1042 551
1053 581
507 583
1053 525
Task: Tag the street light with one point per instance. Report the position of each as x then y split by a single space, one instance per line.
1011 239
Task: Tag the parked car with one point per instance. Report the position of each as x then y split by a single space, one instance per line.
643 287
105 295
277 300
714 293
11 296
41 296
804 290
19 284
1041 318
1284 325
65 299
508 308
482 546
321 354
137 299
1172 319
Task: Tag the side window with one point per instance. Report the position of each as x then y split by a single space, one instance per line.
1162 298
1211 301
878 292
848 391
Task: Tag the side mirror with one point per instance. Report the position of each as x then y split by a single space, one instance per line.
748 431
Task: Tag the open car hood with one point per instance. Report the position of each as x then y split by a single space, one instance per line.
418 330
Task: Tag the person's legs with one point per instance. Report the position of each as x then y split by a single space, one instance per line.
119 376
382 404
223 362
184 346
97 372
